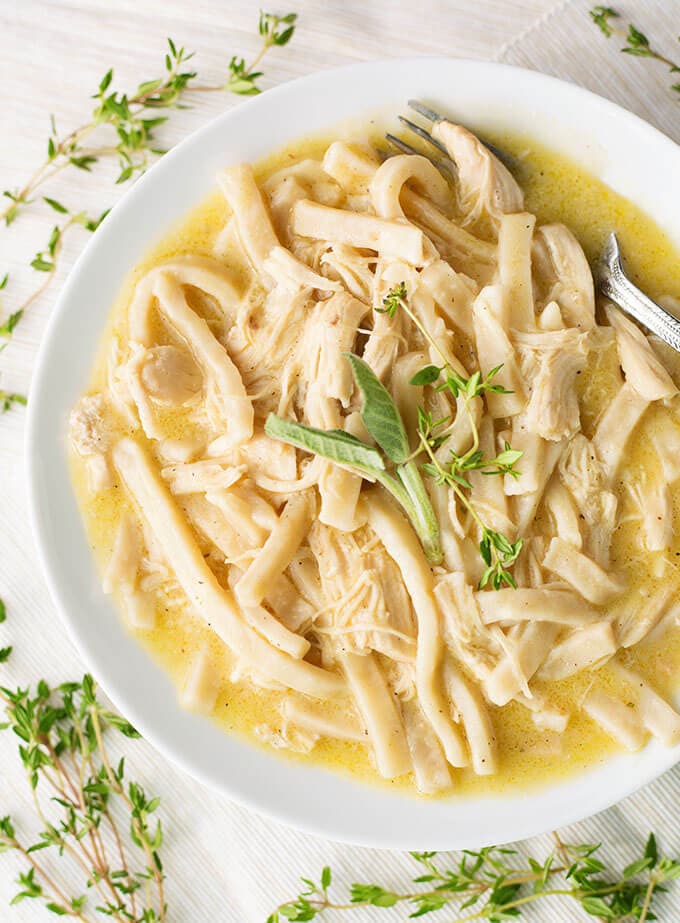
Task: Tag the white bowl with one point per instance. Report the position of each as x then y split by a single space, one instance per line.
624 151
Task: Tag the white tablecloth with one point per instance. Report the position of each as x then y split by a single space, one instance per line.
225 864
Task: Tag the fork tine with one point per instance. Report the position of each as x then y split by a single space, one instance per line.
433 116
401 145
425 135
445 165
425 111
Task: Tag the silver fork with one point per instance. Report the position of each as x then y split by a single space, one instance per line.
609 274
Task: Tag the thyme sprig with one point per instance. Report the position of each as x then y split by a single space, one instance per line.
44 261
489 884
80 799
636 42
496 550
276 31
131 121
67 764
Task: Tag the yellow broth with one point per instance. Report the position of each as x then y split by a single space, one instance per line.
556 189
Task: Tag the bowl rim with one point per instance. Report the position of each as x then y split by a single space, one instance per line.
265 783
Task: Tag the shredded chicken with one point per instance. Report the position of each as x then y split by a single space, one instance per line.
518 531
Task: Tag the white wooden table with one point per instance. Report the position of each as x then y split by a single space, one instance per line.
225 864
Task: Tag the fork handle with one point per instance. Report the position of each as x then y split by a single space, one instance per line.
618 287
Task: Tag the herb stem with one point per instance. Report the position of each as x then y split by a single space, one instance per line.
136 824
64 902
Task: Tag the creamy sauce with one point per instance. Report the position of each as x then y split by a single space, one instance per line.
556 190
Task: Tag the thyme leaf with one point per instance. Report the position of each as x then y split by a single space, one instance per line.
494 884
497 552
126 123
636 42
78 795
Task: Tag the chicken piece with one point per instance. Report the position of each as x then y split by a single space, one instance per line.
87 429
564 273
170 375
91 438
553 411
485 185
585 477
643 370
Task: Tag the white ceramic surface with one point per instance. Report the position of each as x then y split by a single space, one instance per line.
625 152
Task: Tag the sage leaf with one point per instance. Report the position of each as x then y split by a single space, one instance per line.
379 412
335 444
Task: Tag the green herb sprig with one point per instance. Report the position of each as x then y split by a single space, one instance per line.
133 118
636 42
491 885
383 421
131 121
81 801
44 261
497 551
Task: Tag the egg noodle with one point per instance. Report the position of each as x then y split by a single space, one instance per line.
422 536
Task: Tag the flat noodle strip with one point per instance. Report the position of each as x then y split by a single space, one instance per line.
389 238
314 717
616 719
380 714
660 718
474 714
199 272
278 551
430 769
582 649
235 406
540 604
391 177
254 225
403 547
494 349
616 426
270 626
202 684
208 599
591 581
514 266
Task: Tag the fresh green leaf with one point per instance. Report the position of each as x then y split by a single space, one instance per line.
426 376
106 81
336 445
373 895
379 412
596 907
41 264
7 328
601 16
57 206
